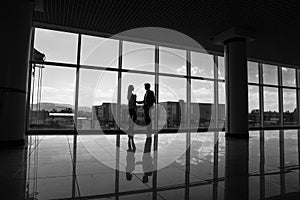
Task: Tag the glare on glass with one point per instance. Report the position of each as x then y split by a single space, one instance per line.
57 46
99 51
288 77
202 65
252 72
172 61
270 74
138 56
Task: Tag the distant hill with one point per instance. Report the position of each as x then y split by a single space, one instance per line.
59 107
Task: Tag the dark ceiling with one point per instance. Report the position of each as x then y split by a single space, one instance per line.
276 24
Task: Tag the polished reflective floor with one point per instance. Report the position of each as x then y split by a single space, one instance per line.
167 166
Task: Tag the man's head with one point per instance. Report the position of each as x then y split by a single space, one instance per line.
147 86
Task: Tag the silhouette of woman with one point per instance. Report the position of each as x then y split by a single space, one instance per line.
132 113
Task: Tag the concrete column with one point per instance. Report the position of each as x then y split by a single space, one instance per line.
15 35
236 80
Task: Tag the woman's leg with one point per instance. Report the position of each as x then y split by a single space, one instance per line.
131 120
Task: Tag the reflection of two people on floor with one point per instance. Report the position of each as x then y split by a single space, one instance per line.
147 162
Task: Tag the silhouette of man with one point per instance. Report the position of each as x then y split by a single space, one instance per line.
149 100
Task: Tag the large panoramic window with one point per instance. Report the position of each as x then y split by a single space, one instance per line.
80 82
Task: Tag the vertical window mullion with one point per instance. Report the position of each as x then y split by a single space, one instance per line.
298 95
156 85
77 82
282 165
261 94
188 124
188 90
280 96
216 91
155 144
117 175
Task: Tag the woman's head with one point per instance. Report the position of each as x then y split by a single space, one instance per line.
130 89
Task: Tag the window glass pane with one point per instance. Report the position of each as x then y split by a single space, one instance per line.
222 101
138 56
202 65
252 72
254 113
172 61
202 103
56 45
291 152
172 96
221 67
288 77
270 74
138 81
52 100
272 161
271 110
97 100
168 176
289 107
98 51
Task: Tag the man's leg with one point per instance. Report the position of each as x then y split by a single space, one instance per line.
148 121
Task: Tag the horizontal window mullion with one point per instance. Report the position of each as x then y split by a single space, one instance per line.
57 64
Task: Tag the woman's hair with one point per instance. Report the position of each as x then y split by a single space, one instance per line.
130 89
